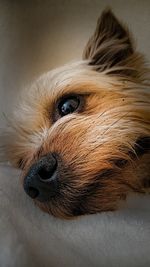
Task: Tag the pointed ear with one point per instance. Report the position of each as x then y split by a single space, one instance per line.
110 46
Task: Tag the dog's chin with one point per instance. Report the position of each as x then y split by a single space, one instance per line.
70 207
67 211
66 206
60 211
63 212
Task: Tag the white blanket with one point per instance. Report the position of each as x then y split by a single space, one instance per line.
29 237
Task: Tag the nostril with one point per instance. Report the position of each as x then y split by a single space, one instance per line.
46 172
33 192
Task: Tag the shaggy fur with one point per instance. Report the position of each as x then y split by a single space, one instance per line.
102 150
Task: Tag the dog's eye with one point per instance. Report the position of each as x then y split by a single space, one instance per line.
68 105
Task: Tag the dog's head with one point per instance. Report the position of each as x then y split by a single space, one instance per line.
80 131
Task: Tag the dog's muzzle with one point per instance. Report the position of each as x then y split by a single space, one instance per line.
41 181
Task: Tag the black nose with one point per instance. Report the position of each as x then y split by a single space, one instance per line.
41 181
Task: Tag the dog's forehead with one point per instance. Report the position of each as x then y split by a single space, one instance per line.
76 77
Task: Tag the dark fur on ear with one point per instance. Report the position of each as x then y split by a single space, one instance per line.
111 48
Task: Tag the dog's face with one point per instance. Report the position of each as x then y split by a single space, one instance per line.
81 130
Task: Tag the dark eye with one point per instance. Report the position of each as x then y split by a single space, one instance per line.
68 105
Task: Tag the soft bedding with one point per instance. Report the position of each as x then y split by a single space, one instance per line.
29 237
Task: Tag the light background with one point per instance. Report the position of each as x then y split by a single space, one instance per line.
36 36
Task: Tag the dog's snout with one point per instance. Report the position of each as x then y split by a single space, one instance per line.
41 181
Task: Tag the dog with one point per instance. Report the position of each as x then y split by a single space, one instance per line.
81 132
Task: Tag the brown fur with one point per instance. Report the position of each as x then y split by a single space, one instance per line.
102 151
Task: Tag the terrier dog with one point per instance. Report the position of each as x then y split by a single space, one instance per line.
81 132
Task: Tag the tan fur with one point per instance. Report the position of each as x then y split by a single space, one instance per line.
93 144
